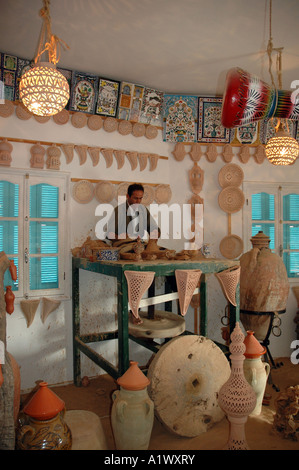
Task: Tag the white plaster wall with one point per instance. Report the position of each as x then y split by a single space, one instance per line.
44 351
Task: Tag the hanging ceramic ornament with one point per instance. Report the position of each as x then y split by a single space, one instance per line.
68 150
79 120
41 119
108 155
260 154
82 153
138 129
151 132
29 308
5 153
186 280
132 157
9 300
37 156
49 305
229 279
153 161
196 178
53 160
22 112
142 158
211 153
120 158
110 124
244 154
227 153
196 152
125 127
179 152
138 283
94 153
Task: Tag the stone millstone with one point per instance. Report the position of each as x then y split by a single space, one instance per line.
164 325
186 376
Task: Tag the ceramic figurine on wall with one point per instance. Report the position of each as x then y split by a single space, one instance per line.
5 153
53 160
179 152
227 153
37 156
244 154
260 154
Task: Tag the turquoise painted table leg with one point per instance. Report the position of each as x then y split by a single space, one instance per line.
123 325
203 327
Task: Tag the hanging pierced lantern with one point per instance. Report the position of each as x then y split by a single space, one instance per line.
282 149
43 89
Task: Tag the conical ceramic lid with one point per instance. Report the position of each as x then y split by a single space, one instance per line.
253 347
44 404
133 378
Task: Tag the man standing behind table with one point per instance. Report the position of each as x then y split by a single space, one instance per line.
132 219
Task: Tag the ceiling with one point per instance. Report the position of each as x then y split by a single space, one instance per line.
175 46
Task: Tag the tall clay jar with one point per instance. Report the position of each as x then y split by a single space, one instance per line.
256 371
132 414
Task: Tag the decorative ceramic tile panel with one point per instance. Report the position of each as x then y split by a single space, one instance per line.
107 97
151 109
210 128
9 65
130 101
68 75
84 90
22 67
248 134
179 118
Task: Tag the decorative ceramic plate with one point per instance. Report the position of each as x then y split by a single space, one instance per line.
41 119
138 129
62 117
83 191
122 189
110 124
7 108
148 195
151 132
231 199
79 120
125 127
95 122
163 193
104 191
230 175
231 246
22 112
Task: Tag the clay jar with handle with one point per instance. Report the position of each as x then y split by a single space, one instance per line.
41 423
9 300
132 414
255 370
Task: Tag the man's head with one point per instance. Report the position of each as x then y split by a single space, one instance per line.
135 194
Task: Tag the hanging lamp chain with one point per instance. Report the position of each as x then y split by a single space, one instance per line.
48 42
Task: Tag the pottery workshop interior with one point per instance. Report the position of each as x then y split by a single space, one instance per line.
192 322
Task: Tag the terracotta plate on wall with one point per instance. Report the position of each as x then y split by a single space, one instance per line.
231 246
83 191
230 175
231 199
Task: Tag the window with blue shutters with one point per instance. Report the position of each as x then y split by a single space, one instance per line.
274 209
34 231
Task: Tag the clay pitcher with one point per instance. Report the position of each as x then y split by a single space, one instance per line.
9 300
255 370
132 414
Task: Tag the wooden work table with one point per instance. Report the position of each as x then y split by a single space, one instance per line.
116 269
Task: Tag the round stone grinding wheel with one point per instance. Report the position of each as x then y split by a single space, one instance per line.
163 325
186 376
